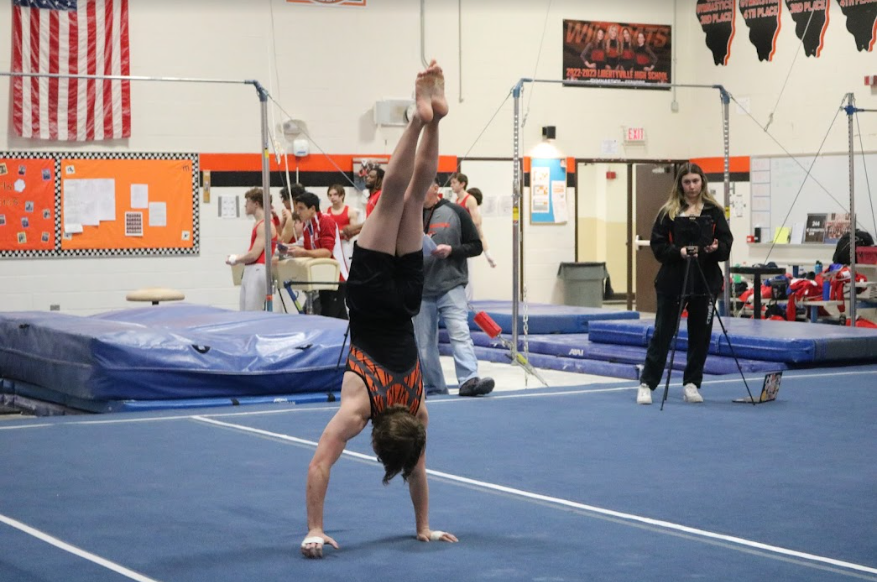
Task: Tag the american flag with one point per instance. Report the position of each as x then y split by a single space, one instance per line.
70 37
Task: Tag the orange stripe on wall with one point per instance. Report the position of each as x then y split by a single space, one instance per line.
316 163
738 164
570 165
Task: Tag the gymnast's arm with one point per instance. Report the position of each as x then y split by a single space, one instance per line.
351 418
257 249
418 488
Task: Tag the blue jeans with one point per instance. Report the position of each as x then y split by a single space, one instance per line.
453 309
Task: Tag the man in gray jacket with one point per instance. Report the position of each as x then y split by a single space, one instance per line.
444 294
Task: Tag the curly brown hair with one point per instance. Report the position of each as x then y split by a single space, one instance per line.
398 439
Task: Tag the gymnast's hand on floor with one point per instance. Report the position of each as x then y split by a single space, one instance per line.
436 536
312 546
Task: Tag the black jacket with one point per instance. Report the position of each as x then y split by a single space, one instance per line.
842 250
672 273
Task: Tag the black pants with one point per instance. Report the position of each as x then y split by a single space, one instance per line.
332 304
700 327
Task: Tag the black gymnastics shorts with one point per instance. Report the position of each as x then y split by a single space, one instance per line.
383 294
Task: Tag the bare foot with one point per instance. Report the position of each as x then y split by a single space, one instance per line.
429 94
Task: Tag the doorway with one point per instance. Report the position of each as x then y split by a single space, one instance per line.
651 186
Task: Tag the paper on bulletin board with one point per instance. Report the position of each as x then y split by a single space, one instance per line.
157 214
89 201
139 196
558 199
540 180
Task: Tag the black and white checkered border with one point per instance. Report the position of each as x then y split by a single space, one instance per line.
98 253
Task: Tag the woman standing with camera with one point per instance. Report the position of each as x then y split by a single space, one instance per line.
689 198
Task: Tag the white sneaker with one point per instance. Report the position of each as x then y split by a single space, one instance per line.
644 394
690 394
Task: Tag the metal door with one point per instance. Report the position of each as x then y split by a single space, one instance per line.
653 184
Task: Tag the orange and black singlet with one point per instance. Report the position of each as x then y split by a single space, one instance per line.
386 388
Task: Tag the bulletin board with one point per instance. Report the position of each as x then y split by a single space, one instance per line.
548 204
98 204
27 204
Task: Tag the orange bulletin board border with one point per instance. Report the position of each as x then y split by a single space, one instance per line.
158 216
28 208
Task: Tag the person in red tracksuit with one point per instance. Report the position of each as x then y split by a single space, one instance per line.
320 235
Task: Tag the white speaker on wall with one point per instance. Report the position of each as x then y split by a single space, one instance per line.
301 147
392 111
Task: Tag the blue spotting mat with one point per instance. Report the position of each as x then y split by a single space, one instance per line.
545 318
577 365
578 346
40 401
791 342
172 352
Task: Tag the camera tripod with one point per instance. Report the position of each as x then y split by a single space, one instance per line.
683 299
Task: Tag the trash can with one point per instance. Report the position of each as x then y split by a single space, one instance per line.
582 283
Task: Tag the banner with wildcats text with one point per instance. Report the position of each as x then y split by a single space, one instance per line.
617 52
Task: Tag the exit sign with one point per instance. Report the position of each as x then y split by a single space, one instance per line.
635 134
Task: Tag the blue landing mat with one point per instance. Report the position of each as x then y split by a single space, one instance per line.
545 318
776 341
578 347
175 354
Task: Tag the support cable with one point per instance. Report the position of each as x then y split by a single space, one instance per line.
791 68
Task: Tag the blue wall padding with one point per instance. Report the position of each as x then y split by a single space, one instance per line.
545 318
176 351
577 346
777 341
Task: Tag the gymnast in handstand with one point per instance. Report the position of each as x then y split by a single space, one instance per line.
383 381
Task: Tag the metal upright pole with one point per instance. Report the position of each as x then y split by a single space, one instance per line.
726 132
851 109
516 219
266 196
